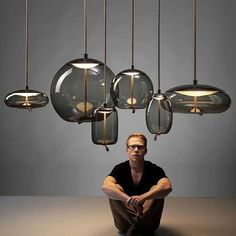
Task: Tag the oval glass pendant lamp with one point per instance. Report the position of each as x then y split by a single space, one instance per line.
159 113
77 88
131 88
26 98
198 98
105 123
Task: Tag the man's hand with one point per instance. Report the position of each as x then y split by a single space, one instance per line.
135 201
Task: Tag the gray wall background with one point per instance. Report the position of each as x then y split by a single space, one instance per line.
41 154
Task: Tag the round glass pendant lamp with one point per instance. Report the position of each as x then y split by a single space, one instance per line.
26 98
159 113
77 88
131 88
198 98
76 92
105 122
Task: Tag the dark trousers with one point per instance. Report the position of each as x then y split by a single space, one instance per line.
124 216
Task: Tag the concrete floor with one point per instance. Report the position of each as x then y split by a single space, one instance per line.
74 216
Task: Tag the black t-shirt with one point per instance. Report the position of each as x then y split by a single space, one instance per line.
151 175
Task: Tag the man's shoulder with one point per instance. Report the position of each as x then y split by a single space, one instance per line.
119 170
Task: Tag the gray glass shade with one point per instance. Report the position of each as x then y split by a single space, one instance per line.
78 89
198 99
105 126
26 99
131 89
159 114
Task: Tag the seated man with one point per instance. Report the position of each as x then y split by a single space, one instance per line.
136 189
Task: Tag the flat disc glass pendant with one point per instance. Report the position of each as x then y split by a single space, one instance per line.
105 126
131 89
198 99
78 89
26 99
159 114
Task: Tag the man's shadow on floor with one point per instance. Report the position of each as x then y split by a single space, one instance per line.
167 231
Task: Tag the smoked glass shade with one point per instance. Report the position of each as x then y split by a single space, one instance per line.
105 126
159 114
198 99
26 99
78 89
131 89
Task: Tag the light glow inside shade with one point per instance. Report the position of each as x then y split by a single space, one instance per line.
105 112
131 73
85 65
84 106
131 101
27 104
195 110
196 93
22 94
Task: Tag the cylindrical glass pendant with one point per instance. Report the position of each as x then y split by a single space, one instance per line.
26 99
131 89
78 89
105 126
198 99
159 114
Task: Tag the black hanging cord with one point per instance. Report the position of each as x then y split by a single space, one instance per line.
158 48
26 47
132 34
194 43
85 29
105 49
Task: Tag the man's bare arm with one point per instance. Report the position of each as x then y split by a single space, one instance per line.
114 190
160 190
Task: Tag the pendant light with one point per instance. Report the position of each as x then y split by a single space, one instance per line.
131 88
197 98
159 114
77 88
26 98
105 123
